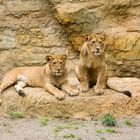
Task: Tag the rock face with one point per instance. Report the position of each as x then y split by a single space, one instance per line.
39 103
119 19
30 29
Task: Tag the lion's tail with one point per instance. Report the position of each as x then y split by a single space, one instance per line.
125 92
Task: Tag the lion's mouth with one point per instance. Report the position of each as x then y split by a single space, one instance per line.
58 73
97 53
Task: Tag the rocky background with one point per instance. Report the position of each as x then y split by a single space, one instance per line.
29 29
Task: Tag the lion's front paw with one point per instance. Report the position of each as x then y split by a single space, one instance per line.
99 91
83 88
74 92
60 95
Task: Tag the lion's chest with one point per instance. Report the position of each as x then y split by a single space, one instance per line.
92 73
57 82
57 85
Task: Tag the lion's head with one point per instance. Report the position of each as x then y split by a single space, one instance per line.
57 64
96 43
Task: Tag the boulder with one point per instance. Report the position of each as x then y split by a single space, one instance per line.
39 103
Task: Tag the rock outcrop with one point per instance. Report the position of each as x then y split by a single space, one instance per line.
31 29
39 103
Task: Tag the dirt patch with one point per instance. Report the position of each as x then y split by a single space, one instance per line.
32 129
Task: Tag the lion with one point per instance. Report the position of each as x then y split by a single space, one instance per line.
53 76
92 69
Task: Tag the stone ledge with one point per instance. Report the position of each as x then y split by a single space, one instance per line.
40 103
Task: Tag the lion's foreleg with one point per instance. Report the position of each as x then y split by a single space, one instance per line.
82 75
54 91
67 88
101 80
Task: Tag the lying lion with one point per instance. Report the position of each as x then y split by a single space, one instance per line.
92 69
51 77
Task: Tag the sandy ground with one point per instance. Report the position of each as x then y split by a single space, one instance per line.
57 129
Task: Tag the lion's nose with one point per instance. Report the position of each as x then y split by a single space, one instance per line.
97 49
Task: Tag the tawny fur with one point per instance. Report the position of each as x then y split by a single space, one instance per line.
92 69
52 77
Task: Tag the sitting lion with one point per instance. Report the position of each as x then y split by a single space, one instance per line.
51 77
92 69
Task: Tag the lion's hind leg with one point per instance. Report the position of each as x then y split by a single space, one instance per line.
21 83
7 81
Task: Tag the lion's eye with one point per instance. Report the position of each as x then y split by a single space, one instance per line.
54 62
93 42
100 42
61 62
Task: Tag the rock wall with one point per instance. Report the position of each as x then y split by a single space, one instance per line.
29 29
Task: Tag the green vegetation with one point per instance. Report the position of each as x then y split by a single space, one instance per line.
109 120
72 125
100 131
45 121
16 115
110 130
128 123
69 136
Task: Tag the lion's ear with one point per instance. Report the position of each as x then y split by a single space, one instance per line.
64 57
88 37
49 57
103 35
